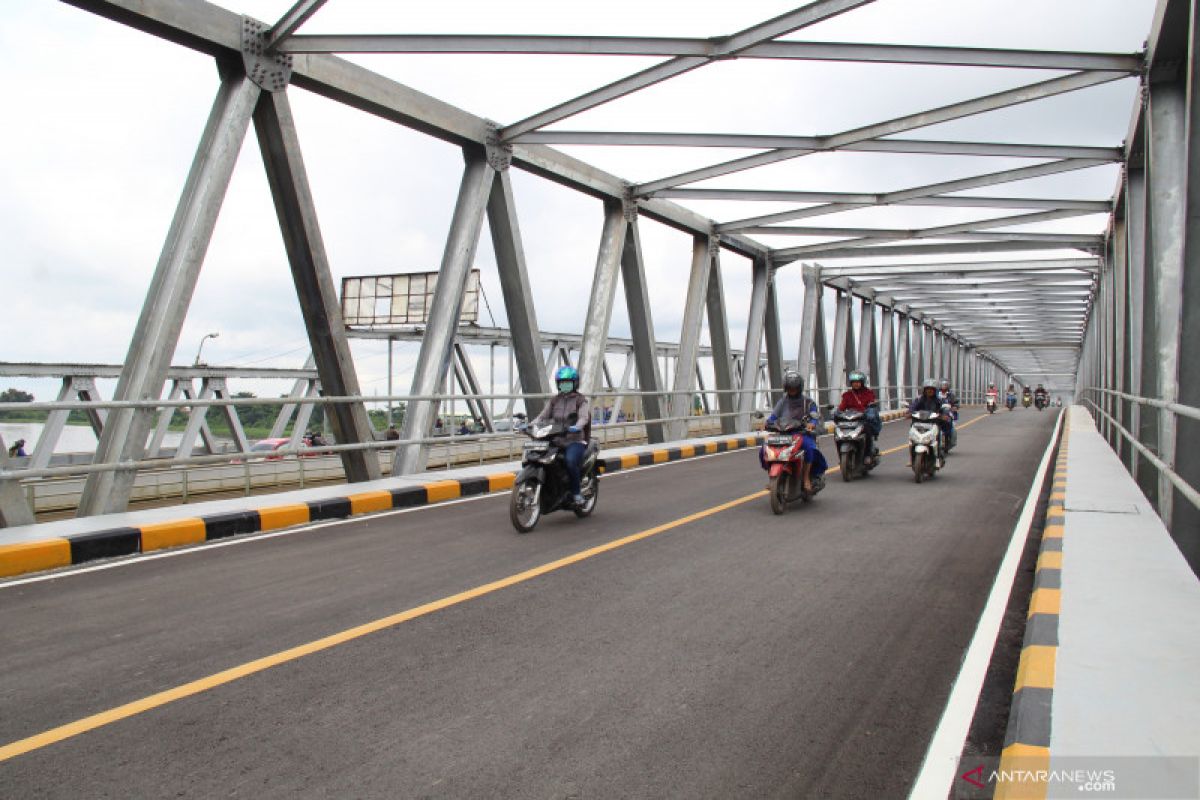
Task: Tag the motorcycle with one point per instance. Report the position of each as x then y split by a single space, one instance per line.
542 486
1026 400
850 434
924 443
784 454
1011 401
1041 402
991 404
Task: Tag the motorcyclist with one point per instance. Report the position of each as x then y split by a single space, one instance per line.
949 398
1040 393
794 406
993 395
1026 397
859 397
929 400
1011 399
571 410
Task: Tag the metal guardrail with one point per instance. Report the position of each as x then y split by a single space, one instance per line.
1185 488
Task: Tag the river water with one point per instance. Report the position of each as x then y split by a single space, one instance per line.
74 438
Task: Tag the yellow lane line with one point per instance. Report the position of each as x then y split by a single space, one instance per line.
81 726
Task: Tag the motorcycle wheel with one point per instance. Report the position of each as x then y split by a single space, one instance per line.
589 504
919 467
778 493
847 466
522 512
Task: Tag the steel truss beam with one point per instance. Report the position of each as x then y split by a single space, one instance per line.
724 48
1024 94
708 48
903 195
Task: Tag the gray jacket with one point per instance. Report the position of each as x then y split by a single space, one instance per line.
560 408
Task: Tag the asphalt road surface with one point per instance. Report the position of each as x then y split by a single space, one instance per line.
733 654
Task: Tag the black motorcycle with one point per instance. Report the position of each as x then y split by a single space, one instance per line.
542 485
850 433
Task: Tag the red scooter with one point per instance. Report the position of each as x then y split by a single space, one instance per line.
784 454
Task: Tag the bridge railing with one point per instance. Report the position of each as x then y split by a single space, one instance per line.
21 475
1164 469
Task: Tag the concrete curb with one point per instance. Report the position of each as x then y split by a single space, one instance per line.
1027 740
52 553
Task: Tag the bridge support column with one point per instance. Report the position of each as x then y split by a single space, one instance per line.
14 509
1168 162
641 328
904 359
526 344
841 338
718 337
774 339
157 333
604 289
288 179
1185 517
761 276
810 360
433 361
885 380
867 357
1135 219
689 335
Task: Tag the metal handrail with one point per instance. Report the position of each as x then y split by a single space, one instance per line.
1183 486
290 453
1184 411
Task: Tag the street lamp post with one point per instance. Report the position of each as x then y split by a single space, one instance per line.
206 336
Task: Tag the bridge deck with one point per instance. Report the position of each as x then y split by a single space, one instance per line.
734 653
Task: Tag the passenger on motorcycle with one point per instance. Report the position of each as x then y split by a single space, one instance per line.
929 400
949 398
859 397
795 406
572 411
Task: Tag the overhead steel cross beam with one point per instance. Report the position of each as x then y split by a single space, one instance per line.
904 195
755 141
706 48
723 48
295 16
979 105
979 229
959 269
773 195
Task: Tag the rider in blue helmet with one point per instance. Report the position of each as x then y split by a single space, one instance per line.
570 409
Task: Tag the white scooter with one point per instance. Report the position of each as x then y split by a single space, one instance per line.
925 445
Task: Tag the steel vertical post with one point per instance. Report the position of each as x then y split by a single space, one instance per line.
1168 157
772 335
433 360
885 380
718 337
641 327
810 323
841 330
760 277
526 343
319 306
689 335
604 292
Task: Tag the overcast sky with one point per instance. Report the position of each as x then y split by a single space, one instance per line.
102 122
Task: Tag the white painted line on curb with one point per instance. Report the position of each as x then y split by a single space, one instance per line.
939 767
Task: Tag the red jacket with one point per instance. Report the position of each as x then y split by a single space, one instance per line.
856 400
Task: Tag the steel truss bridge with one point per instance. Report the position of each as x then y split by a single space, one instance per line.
1007 296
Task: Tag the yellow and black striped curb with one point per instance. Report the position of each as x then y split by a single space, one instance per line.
1027 740
17 559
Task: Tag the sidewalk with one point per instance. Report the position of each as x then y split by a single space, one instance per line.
1109 672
